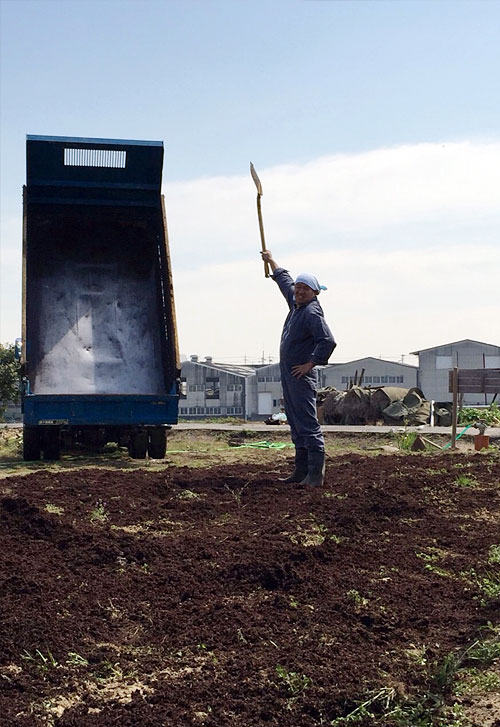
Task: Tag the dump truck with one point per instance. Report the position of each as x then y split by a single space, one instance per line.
100 359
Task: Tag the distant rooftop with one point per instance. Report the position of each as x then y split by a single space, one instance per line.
454 343
235 369
373 358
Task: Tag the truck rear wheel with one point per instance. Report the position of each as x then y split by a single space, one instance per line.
157 443
138 445
52 444
31 444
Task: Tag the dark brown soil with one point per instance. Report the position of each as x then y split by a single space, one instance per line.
223 597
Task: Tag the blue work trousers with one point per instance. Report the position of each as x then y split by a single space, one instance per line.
300 408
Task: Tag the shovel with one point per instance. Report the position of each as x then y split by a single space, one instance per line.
259 212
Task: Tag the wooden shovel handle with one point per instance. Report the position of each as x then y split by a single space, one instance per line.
262 238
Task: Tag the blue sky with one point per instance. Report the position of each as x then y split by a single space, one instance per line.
347 109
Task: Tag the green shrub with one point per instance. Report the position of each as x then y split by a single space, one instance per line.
490 415
9 377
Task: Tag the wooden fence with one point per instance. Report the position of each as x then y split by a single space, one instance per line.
471 381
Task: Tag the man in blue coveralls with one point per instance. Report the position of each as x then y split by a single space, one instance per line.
306 341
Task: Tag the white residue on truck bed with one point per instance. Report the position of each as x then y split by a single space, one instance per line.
98 331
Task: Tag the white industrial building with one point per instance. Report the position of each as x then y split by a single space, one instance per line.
246 392
371 372
269 391
434 365
254 391
217 390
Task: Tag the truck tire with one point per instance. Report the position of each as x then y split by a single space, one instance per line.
52 444
157 443
138 445
31 444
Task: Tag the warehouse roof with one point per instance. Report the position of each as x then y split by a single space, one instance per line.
454 343
372 358
234 369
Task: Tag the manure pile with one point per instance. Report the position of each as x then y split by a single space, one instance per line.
222 597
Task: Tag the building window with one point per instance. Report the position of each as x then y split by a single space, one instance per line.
213 409
212 388
234 410
376 379
492 362
196 387
235 387
183 388
443 362
345 379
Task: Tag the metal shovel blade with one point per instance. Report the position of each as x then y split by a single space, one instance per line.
256 179
259 212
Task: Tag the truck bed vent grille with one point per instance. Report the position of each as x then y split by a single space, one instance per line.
95 158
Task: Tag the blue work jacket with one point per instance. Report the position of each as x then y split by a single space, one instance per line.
306 336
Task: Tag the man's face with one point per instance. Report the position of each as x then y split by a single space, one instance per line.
303 294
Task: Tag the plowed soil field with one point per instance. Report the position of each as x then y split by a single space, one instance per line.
220 596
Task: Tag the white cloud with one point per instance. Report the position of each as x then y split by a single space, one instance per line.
384 198
376 304
406 239
10 277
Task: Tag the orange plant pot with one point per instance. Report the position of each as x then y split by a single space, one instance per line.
481 441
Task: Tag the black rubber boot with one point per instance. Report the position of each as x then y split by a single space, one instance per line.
301 469
315 468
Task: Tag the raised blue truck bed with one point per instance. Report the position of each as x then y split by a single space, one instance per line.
100 352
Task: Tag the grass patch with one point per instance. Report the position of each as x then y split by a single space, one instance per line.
39 659
312 534
76 660
190 495
488 583
99 514
294 682
359 601
11 441
405 440
494 555
457 675
466 481
54 509
476 681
